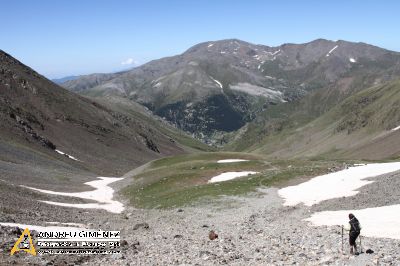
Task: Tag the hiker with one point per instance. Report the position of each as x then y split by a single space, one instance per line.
354 232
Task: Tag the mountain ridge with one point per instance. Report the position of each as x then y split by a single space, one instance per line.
245 79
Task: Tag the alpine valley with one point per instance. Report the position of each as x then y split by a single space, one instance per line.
216 89
229 153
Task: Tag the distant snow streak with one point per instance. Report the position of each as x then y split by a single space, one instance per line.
396 128
158 84
276 52
258 91
216 81
232 161
69 156
333 49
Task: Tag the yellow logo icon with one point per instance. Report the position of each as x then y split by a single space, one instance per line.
24 243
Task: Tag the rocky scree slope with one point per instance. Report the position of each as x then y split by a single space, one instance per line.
37 114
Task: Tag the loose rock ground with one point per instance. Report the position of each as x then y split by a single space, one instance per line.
252 230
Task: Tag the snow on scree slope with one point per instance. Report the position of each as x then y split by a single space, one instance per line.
103 194
335 185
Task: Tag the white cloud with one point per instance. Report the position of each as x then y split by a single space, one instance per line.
129 61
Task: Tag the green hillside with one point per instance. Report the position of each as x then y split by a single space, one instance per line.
350 129
182 180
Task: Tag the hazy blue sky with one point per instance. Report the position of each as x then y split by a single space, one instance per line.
60 37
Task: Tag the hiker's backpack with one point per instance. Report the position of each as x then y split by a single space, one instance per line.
356 226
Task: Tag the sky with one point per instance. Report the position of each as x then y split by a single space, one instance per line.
74 37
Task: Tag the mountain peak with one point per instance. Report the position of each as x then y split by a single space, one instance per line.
226 44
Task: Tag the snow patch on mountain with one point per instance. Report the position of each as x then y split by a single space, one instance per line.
67 224
395 129
272 55
276 52
39 228
216 81
352 60
232 161
103 194
376 222
258 91
193 63
69 156
158 84
335 185
230 175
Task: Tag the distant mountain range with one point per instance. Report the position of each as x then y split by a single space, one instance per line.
65 79
217 87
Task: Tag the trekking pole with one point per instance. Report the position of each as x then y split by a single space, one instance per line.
342 241
360 245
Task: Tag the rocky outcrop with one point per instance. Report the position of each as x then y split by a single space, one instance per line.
24 126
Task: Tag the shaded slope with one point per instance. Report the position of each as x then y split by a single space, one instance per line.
42 116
